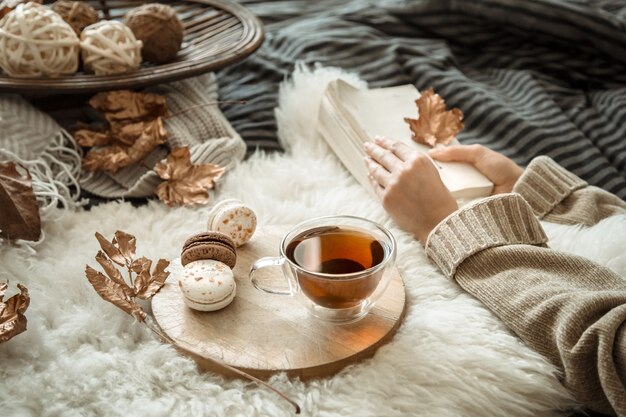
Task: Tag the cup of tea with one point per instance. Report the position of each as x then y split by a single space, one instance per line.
337 266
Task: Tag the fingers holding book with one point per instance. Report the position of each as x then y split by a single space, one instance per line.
409 186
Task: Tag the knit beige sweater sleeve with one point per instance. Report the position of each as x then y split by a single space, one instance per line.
571 310
556 195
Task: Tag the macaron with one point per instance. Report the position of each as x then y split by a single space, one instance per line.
233 218
209 245
207 285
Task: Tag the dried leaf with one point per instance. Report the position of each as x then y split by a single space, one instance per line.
146 284
143 138
435 124
185 183
113 273
110 159
127 245
19 212
111 250
12 319
90 138
129 106
114 293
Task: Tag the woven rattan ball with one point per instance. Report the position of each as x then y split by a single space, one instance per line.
160 30
35 42
109 47
77 14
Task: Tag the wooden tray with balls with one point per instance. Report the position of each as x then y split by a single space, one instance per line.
68 47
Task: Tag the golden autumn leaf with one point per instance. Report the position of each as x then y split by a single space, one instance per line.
129 143
434 124
146 283
89 138
112 287
12 319
111 250
114 293
19 211
185 183
125 105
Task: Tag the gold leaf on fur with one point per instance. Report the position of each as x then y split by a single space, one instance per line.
114 293
19 212
434 124
111 250
12 318
127 245
185 183
112 287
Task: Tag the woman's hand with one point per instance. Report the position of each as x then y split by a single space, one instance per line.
409 186
499 169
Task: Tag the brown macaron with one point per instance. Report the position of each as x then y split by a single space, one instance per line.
209 245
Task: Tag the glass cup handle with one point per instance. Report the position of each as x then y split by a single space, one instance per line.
263 263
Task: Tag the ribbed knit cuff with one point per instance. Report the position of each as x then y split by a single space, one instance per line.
544 184
504 219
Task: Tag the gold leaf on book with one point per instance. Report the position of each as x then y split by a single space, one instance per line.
12 318
435 125
185 183
19 212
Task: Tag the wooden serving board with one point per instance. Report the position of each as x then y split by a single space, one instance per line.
264 334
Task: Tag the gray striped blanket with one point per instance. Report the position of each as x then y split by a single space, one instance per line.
532 77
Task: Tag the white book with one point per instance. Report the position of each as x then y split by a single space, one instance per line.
349 117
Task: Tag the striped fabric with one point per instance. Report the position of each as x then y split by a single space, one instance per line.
533 77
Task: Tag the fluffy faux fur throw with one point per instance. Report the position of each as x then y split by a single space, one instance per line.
82 357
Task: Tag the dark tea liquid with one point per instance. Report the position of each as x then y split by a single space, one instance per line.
336 251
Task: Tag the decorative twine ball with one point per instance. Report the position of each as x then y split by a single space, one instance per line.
7 5
35 42
109 47
77 14
160 30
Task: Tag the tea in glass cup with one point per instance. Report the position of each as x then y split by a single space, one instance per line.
338 266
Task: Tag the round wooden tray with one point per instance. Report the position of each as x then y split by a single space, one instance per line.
217 33
263 334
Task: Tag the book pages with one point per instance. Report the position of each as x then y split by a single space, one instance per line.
349 117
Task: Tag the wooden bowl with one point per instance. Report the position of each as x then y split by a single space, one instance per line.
217 33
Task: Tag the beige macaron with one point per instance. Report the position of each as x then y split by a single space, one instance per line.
233 218
207 285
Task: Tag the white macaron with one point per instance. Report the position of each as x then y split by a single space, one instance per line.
207 285
233 218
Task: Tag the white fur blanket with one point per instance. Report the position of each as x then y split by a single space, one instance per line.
82 357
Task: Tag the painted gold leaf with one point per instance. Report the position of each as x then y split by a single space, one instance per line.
89 138
12 318
129 106
113 273
127 245
130 144
111 250
151 283
19 212
434 124
114 293
185 183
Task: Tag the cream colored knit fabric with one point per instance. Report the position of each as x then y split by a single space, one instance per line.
566 307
